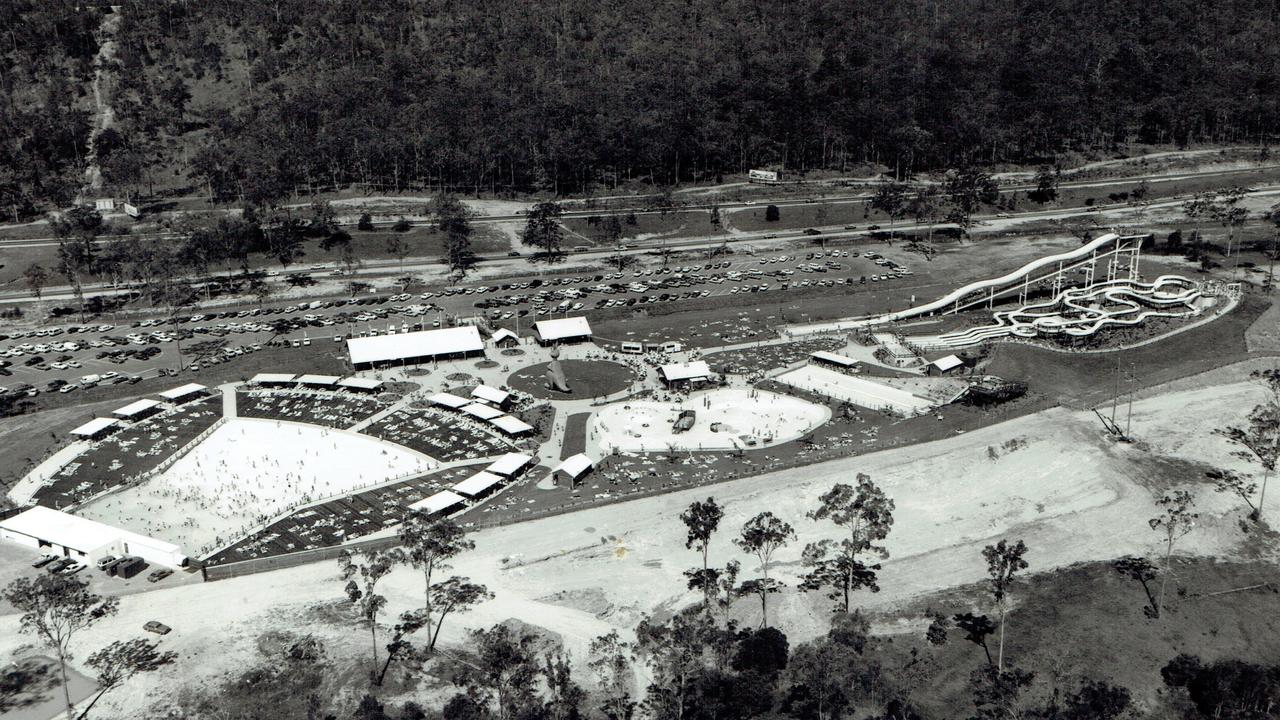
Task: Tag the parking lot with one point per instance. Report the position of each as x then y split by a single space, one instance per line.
65 358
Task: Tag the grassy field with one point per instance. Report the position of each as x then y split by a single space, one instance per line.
422 242
586 378
685 223
1087 622
1083 380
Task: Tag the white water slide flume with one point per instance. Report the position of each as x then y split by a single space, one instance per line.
1082 311
1120 254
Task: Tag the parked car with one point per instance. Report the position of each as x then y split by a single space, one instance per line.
57 565
157 627
44 560
75 567
106 562
158 575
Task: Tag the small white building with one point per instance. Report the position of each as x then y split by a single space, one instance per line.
42 528
685 373
550 332
574 467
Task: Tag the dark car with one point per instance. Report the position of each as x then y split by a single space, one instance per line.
31 361
157 627
59 564
158 575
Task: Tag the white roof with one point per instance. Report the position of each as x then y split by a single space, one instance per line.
426 343
482 411
182 391
442 500
503 334
831 357
491 394
511 425
135 408
262 378
95 426
449 400
478 483
361 383
948 362
686 371
75 532
563 328
318 379
575 465
509 464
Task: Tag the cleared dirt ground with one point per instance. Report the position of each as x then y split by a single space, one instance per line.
1071 494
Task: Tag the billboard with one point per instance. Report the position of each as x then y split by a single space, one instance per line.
765 176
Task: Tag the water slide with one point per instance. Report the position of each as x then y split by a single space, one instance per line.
955 295
1083 311
993 283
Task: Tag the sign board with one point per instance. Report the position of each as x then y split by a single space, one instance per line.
104 204
763 176
132 210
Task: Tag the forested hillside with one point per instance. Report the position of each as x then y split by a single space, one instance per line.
254 99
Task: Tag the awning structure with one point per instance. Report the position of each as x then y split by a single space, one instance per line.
272 379
504 334
438 503
449 400
136 409
415 345
574 466
482 411
490 394
562 329
950 362
675 372
478 484
509 464
511 425
318 380
183 391
359 383
95 427
834 359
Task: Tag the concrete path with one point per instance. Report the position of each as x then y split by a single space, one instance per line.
229 410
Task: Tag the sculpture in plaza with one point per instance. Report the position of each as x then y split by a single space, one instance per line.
556 379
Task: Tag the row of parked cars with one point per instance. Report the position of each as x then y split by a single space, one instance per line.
123 566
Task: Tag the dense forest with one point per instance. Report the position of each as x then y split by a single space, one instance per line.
256 100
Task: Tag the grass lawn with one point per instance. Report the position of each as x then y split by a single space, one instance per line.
575 435
684 223
793 217
1086 621
1083 380
587 379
